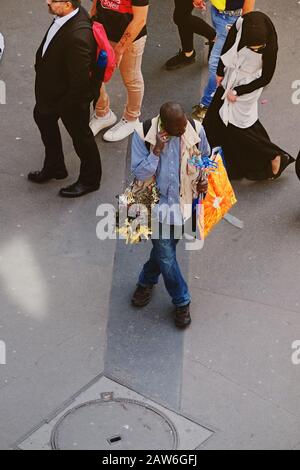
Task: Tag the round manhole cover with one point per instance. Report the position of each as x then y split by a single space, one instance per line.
117 424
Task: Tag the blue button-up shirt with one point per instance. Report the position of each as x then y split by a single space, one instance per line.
167 170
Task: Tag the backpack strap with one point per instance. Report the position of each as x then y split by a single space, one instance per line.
192 122
146 128
197 127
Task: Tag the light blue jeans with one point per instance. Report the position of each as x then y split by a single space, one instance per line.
222 23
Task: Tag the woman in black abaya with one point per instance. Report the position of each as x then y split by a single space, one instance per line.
247 65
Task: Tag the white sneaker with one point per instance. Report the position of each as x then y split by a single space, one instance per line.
99 123
121 130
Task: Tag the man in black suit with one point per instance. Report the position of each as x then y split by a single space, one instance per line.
65 86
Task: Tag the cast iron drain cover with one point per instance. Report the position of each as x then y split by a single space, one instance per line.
118 424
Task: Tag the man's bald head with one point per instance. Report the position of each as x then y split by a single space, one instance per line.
173 118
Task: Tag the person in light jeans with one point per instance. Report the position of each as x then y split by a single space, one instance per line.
131 73
125 25
222 21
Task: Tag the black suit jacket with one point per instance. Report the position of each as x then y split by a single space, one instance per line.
66 75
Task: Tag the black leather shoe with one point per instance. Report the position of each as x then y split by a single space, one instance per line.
44 176
78 189
182 316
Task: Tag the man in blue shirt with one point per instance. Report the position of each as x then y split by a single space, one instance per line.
172 141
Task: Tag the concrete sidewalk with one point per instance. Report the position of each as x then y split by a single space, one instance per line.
65 313
55 274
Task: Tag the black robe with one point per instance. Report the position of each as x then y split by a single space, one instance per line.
248 152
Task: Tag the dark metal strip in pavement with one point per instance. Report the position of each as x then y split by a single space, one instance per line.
144 349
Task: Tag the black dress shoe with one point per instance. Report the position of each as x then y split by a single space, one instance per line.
78 189
44 176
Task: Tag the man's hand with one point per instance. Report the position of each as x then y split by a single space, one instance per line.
219 80
202 185
161 140
200 4
232 98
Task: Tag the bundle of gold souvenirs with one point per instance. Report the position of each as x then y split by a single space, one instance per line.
135 210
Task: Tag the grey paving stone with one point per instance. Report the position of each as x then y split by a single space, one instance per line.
248 343
55 274
242 419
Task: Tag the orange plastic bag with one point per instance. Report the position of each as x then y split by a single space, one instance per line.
219 199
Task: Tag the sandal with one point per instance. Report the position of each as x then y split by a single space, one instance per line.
286 160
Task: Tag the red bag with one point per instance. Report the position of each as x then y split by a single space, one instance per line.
104 44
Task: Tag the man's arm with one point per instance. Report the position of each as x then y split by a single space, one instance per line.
93 9
79 58
143 164
139 20
249 5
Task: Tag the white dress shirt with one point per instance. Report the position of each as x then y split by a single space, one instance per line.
58 23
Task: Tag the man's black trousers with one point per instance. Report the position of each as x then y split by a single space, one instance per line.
76 121
189 24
